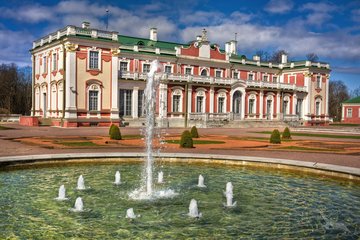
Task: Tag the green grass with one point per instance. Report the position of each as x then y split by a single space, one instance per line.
345 124
132 136
317 135
307 149
5 128
78 144
196 142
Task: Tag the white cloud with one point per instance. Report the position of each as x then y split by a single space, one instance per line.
319 7
279 6
29 13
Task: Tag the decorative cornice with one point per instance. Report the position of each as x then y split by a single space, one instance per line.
71 47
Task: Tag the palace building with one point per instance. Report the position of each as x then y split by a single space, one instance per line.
84 76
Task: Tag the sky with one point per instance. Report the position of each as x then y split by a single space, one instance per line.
328 28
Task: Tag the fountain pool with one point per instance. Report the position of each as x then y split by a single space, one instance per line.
271 204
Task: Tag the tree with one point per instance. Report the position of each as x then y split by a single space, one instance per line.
355 92
312 57
264 55
338 93
277 55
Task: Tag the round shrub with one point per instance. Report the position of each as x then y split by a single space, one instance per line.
194 132
112 125
286 134
186 140
115 133
275 137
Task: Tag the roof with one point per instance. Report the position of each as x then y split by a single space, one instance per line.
127 40
353 100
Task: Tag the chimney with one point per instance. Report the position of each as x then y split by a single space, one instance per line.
227 48
153 34
233 49
85 25
198 38
284 58
256 58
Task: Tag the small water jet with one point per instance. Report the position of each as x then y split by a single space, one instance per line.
193 209
80 183
79 206
229 195
201 181
117 178
130 214
160 177
62 193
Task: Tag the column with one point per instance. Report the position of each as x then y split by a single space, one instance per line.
211 100
33 63
327 97
163 101
70 82
134 101
114 111
48 80
278 105
243 102
189 99
261 104
307 99
294 100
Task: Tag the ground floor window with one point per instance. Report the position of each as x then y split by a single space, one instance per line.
251 106
221 105
176 103
141 110
199 104
125 102
317 108
349 113
93 100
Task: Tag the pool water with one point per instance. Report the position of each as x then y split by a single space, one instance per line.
270 204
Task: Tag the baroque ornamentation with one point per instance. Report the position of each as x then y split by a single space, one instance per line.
71 47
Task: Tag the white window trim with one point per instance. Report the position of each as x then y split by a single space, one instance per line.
171 66
142 66
178 92
93 49
238 74
265 75
200 92
94 87
222 94
207 71
347 112
127 63
192 70
221 73
320 82
287 99
44 59
54 60
248 76
252 96
318 100
277 79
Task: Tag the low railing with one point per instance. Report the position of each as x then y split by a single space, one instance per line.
209 116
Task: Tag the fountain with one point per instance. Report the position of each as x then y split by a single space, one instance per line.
62 194
130 214
160 177
79 206
117 178
80 183
229 195
193 209
201 181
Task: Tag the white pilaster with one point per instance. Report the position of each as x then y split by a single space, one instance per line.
261 105
243 102
211 99
163 101
294 103
327 98
307 100
278 105
114 115
70 89
134 110
189 98
48 79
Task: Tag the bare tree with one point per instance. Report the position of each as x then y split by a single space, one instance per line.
264 55
276 56
312 57
338 93
355 92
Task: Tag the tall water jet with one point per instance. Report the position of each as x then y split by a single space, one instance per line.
117 178
193 209
229 188
160 177
229 195
79 206
201 181
80 183
62 193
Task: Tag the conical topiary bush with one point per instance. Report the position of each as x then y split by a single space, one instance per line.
194 132
186 140
286 134
115 133
275 137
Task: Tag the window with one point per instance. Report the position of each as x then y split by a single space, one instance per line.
218 73
274 79
123 67
146 68
349 113
125 102
167 69
199 104
236 75
203 72
286 104
251 106
318 81
317 108
265 78
221 105
94 60
93 100
141 110
176 103
187 71
54 61
251 77
44 65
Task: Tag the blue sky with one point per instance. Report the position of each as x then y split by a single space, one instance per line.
331 29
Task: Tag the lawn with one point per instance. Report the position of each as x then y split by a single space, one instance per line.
196 142
317 135
78 144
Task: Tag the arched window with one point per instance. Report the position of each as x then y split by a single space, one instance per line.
318 106
94 96
286 105
252 104
221 102
203 72
53 97
200 101
177 101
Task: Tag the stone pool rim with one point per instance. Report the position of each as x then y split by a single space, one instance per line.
331 170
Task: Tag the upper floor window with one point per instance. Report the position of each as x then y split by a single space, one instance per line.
123 67
203 72
236 75
94 60
265 78
349 113
274 79
44 64
167 69
54 61
146 67
218 73
251 77
188 71
318 81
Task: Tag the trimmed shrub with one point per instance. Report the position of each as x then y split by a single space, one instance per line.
112 125
115 133
275 137
286 134
194 132
186 140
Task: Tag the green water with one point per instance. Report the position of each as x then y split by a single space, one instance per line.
270 204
